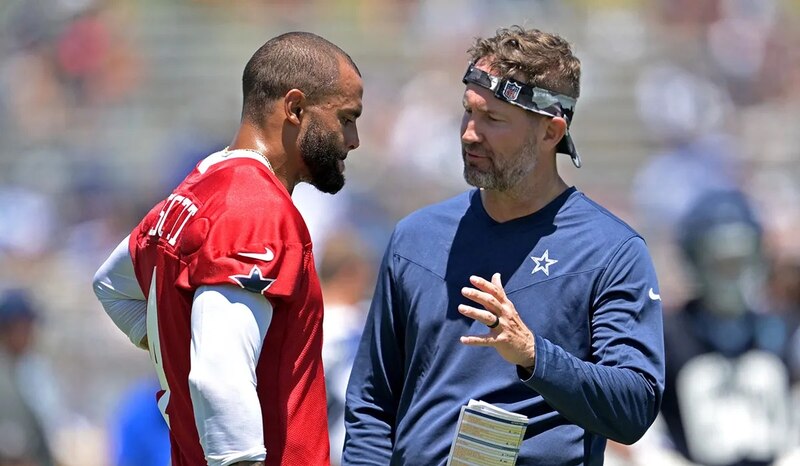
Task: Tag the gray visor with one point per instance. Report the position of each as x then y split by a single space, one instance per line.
533 99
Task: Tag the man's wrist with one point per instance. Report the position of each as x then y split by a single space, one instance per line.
528 370
529 365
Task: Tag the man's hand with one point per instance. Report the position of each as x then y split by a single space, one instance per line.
510 337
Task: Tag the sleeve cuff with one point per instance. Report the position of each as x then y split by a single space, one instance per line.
254 454
540 362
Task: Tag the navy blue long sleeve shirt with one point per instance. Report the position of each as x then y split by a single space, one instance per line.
581 280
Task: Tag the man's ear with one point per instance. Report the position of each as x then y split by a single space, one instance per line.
555 130
294 103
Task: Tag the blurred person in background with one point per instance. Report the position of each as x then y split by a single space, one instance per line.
218 281
138 434
784 298
685 115
25 386
727 400
567 332
346 275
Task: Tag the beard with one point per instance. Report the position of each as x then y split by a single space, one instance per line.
321 153
502 175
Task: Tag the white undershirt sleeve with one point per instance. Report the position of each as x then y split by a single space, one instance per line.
228 329
117 289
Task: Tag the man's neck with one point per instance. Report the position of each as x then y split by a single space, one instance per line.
252 138
522 200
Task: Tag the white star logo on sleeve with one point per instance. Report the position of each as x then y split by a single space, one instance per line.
254 282
544 259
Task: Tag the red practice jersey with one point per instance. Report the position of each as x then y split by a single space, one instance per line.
231 222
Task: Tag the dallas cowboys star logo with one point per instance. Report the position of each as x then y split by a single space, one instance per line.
254 282
547 263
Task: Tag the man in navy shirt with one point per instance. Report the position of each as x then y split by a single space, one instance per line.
522 293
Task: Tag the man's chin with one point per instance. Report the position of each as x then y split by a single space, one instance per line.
329 190
329 185
477 178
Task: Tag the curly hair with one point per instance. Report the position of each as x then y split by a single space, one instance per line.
531 56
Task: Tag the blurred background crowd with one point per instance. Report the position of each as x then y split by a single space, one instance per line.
688 125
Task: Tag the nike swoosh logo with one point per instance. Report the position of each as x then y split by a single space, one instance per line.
654 296
266 256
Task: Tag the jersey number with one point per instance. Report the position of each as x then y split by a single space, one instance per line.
154 345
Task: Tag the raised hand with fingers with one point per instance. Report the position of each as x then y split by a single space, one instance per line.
507 333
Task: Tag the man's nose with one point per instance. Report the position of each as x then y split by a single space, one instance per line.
353 141
469 135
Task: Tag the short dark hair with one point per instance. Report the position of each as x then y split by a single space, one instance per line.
294 60
534 57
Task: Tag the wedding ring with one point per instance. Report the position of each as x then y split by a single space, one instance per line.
496 321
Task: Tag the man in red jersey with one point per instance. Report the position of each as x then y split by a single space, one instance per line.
218 282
